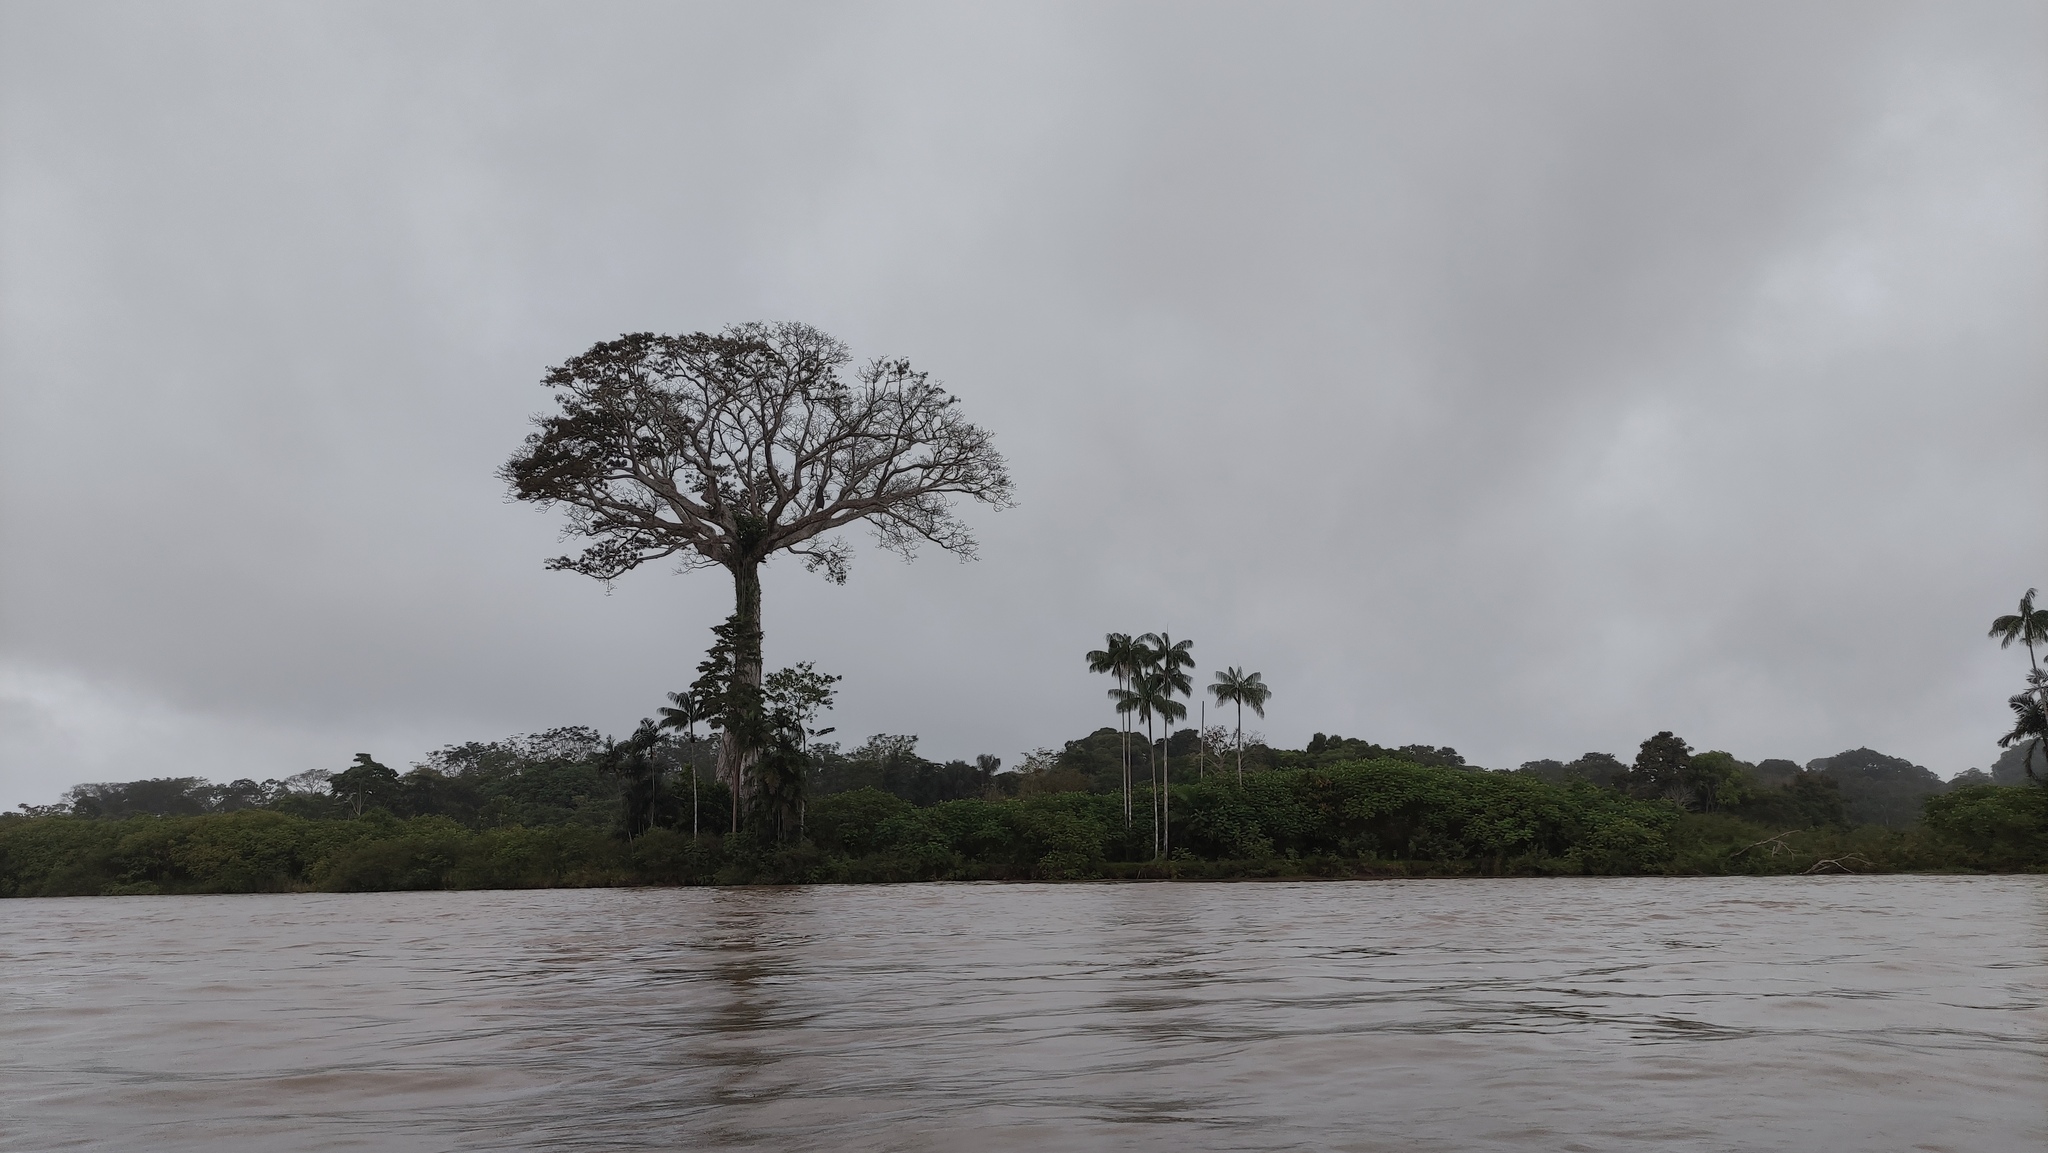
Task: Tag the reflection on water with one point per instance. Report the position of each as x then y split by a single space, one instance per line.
1703 1014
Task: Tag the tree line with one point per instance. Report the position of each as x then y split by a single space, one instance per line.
1347 818
565 807
665 778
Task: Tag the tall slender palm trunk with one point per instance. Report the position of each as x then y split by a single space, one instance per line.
1152 776
1240 742
1123 685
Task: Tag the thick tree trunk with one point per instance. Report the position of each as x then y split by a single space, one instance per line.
736 761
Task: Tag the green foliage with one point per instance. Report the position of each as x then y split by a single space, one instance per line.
1877 789
550 778
417 854
726 698
1602 769
890 763
766 725
795 696
2028 626
1064 836
1336 750
1723 843
1992 826
178 796
367 784
848 823
517 858
259 851
184 796
1804 800
1663 769
2029 735
2029 725
1385 816
2011 766
1234 686
638 768
673 857
1718 780
57 856
1399 810
1093 763
779 784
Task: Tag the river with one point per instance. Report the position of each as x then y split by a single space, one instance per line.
1836 1013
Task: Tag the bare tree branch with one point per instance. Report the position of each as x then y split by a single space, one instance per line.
667 444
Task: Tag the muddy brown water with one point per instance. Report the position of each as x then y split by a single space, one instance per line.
1840 1013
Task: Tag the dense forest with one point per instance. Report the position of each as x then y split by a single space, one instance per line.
569 807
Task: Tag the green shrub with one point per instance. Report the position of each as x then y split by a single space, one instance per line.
1993 826
850 823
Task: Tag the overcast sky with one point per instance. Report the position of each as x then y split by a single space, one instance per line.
1526 378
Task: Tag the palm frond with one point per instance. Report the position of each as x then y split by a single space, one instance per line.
684 713
2030 719
1235 686
2029 626
1113 654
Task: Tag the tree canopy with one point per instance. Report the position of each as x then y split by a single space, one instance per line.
725 449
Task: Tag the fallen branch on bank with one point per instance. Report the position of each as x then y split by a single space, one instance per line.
1838 864
1777 845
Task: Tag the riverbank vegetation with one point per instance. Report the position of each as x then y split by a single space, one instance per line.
545 812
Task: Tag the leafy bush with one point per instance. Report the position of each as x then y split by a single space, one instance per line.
1993 826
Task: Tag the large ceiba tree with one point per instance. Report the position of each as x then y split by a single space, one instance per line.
723 450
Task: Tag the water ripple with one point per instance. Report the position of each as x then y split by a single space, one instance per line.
1705 1014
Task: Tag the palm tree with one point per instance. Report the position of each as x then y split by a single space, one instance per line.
1172 660
1234 686
1148 697
2029 627
1169 711
1121 657
1170 656
1128 701
683 712
2030 722
632 761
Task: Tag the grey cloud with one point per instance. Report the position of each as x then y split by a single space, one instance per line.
1524 379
